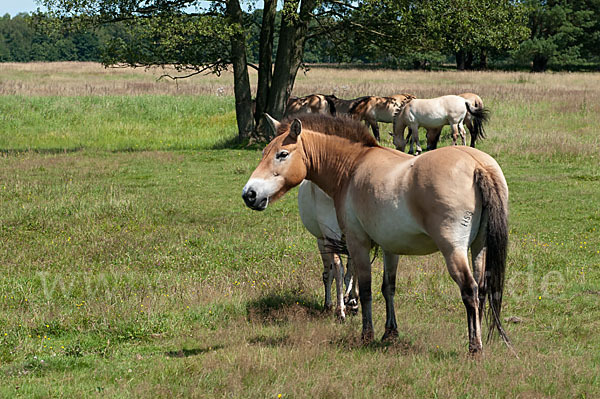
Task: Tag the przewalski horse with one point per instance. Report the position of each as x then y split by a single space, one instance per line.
342 107
434 113
474 125
452 200
313 103
317 213
372 110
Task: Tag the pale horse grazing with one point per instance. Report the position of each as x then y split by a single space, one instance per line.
433 113
475 127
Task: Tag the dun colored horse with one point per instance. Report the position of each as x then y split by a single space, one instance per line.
474 126
432 114
372 109
313 103
317 213
452 200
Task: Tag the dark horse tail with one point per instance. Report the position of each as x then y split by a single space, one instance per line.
480 116
495 206
331 104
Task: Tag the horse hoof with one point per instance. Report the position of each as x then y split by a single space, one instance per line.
367 337
327 308
390 334
340 317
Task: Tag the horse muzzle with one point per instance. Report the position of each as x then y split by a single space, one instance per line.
254 201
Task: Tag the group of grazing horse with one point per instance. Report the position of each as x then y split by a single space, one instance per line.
404 111
449 200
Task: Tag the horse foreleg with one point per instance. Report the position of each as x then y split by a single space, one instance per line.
359 252
339 287
388 289
458 267
351 295
398 134
374 127
414 132
328 264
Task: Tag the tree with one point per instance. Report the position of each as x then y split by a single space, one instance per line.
472 29
559 30
165 32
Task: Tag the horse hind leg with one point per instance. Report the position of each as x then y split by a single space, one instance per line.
455 133
461 130
458 267
328 264
388 289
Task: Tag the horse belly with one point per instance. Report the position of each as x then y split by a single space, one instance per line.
431 120
395 230
384 116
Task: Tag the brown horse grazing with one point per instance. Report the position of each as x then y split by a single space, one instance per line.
372 109
449 200
313 103
342 107
474 125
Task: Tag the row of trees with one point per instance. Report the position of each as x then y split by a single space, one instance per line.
197 36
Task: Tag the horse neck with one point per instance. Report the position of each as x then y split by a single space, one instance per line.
330 160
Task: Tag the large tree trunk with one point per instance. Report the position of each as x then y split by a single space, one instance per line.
483 60
265 64
290 51
241 80
469 60
540 63
460 60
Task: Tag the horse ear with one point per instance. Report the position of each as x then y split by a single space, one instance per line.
274 123
295 129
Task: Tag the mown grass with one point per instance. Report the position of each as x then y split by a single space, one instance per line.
131 268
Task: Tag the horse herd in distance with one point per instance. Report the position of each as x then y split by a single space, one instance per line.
404 110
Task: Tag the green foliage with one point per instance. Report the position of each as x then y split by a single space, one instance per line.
558 32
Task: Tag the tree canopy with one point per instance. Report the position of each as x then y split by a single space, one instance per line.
210 36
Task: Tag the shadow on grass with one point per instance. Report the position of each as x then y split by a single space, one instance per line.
282 307
43 151
234 143
402 345
193 352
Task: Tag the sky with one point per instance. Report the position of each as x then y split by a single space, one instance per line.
13 7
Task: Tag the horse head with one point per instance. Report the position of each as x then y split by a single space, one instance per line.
281 167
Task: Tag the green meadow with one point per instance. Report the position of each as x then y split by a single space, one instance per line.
130 266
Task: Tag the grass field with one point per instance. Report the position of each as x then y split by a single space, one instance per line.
131 267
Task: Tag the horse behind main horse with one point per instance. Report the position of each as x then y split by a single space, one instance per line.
452 200
317 213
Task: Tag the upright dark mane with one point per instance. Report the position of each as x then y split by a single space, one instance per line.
345 127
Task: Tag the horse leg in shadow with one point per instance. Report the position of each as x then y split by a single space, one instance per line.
433 137
388 289
332 268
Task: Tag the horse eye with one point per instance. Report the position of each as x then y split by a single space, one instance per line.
281 155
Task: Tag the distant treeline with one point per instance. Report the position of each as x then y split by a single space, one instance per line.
566 40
